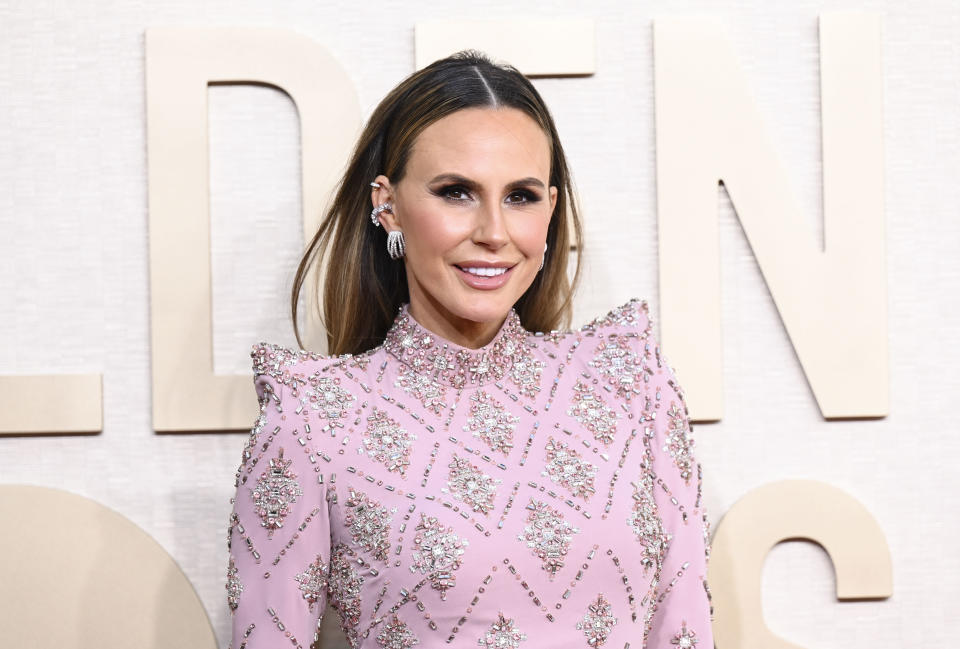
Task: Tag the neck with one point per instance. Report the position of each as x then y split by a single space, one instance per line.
460 331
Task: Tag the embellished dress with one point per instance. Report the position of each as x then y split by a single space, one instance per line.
539 491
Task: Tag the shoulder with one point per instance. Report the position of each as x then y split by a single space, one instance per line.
621 348
277 368
630 319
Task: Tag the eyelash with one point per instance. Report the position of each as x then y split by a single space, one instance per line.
527 195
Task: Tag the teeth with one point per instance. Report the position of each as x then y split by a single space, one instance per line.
485 272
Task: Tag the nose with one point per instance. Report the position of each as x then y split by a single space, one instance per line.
491 227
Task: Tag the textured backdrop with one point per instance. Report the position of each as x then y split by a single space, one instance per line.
74 267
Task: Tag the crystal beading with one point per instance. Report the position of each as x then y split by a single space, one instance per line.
508 354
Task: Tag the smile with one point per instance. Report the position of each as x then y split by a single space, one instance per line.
484 278
484 272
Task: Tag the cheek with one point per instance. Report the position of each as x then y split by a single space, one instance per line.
431 235
529 234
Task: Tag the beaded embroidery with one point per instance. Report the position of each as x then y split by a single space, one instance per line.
369 524
256 430
506 355
396 635
590 410
276 490
615 359
326 396
387 442
678 442
502 634
548 535
425 390
567 468
490 422
272 360
413 436
345 587
645 522
469 484
437 554
314 582
598 621
685 638
234 585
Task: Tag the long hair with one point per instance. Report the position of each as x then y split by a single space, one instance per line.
363 287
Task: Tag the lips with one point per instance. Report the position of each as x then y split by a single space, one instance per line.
485 275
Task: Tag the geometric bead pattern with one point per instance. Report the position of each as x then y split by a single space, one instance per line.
597 623
314 581
679 443
685 638
468 483
491 422
396 635
437 554
276 490
346 584
234 586
616 361
588 408
502 634
388 443
548 535
432 494
567 468
369 524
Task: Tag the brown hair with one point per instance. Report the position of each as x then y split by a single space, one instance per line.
365 288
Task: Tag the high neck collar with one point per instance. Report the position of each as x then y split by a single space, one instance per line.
450 363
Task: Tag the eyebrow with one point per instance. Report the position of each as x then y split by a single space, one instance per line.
463 180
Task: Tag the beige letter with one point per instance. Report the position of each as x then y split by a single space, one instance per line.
831 300
26 404
179 65
775 512
536 47
77 574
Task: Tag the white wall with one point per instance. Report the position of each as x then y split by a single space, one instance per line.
74 267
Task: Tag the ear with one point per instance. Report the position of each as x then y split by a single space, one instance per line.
553 198
385 194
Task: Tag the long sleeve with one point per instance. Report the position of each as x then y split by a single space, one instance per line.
279 535
683 613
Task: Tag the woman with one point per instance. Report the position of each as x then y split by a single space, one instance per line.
446 476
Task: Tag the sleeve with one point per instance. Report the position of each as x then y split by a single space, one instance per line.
279 535
683 612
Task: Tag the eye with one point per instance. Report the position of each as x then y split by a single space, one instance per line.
522 196
454 193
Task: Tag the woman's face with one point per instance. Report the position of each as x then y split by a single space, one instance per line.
475 200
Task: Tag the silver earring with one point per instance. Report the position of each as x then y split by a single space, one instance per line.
544 256
382 207
395 244
375 184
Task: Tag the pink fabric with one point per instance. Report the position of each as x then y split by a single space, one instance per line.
538 492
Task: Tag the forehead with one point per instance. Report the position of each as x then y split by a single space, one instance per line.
482 141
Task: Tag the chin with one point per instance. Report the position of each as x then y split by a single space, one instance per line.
483 308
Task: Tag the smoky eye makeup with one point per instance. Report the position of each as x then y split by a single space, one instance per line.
454 192
458 192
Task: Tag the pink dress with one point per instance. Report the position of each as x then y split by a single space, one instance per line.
540 491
